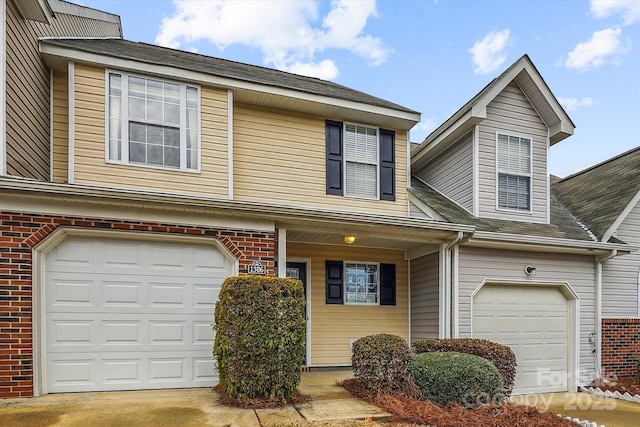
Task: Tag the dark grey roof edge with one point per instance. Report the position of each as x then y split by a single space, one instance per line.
354 94
598 165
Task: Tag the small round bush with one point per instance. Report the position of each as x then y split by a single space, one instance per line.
450 377
380 362
500 355
260 337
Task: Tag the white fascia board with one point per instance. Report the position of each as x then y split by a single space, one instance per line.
467 119
625 212
224 82
281 212
501 239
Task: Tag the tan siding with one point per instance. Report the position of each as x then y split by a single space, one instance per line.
27 92
425 286
332 326
60 127
279 157
91 167
451 173
620 274
478 265
416 212
511 112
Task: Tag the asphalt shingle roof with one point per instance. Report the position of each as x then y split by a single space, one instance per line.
563 225
151 54
598 195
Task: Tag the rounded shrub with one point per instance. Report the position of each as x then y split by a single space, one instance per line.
380 362
450 377
260 337
500 355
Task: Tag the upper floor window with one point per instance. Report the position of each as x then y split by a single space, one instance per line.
360 161
152 122
514 172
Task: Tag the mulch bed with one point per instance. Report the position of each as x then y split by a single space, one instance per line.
407 408
623 385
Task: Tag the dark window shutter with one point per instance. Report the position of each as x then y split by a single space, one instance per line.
387 165
387 284
334 158
334 282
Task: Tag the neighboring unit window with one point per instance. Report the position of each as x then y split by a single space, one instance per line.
153 122
360 283
360 161
514 172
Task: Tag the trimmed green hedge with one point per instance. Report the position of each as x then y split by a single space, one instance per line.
380 362
450 377
500 355
260 337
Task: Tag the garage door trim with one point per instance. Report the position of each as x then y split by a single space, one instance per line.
40 252
573 301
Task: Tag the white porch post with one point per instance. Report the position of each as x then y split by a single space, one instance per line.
282 252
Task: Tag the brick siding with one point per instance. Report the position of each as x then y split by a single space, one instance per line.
19 233
620 347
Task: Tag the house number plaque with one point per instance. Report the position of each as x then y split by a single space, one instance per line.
256 267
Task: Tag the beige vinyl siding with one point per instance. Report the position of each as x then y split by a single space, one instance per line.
451 173
279 157
478 265
512 113
424 279
332 325
620 274
91 167
27 87
60 127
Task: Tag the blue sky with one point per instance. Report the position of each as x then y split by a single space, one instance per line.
428 55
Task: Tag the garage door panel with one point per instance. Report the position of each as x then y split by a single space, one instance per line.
127 315
533 321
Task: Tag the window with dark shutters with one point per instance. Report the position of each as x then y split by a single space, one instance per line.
335 283
362 169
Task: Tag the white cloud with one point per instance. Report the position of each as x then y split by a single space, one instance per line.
629 9
427 124
289 33
573 104
488 54
604 45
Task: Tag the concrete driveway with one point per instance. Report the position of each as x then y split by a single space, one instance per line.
587 407
184 407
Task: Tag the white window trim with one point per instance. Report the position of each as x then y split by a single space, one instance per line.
125 118
344 161
529 175
344 284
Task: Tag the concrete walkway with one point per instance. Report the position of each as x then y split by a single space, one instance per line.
185 408
587 407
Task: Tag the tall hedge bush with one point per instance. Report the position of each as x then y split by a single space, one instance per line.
500 355
380 362
260 337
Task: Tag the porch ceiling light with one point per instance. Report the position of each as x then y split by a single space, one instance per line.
530 270
349 239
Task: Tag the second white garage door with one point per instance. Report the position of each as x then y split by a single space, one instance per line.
125 314
533 321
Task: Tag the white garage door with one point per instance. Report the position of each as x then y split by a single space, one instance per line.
130 314
533 321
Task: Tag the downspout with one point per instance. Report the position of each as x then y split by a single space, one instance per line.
598 309
448 282
455 266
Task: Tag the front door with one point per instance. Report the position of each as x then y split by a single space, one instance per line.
298 270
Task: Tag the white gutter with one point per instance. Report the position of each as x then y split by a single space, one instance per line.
598 308
89 193
505 238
